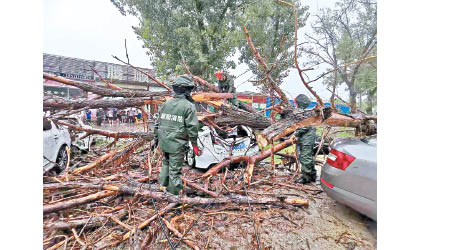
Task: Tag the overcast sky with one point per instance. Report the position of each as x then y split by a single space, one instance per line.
95 30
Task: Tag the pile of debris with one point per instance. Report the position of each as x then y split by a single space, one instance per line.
115 198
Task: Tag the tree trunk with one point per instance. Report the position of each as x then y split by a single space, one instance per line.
295 119
232 116
107 133
51 102
76 202
100 90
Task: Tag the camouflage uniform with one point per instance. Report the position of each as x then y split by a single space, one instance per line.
305 145
227 86
177 125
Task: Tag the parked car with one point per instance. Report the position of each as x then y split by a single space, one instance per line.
56 138
349 175
215 146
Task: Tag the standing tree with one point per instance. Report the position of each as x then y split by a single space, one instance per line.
343 39
271 26
204 33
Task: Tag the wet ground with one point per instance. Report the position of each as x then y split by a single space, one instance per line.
325 224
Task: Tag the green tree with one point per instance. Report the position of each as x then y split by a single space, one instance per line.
271 27
205 33
342 38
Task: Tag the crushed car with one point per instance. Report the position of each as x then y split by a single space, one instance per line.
214 146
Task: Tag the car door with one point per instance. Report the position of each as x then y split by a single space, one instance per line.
51 139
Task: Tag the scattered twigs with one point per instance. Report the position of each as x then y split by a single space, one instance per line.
145 73
77 238
149 220
180 235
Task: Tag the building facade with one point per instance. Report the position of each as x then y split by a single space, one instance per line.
80 70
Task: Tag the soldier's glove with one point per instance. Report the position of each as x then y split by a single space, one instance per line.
196 150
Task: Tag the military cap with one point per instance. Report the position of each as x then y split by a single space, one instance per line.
302 101
183 81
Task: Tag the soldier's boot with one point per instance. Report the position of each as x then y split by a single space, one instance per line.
303 180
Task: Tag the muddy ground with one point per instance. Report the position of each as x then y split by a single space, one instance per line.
325 224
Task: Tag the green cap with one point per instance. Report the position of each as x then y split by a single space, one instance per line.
302 101
184 81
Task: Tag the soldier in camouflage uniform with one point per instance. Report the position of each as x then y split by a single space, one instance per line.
305 145
226 85
177 126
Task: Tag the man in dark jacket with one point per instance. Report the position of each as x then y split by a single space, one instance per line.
177 126
226 85
305 145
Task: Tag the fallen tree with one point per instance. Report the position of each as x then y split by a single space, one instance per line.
55 102
101 90
110 190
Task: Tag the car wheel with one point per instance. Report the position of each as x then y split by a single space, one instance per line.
190 158
61 160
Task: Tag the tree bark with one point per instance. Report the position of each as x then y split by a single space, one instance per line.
148 136
97 221
232 116
100 90
298 119
76 202
51 102
164 196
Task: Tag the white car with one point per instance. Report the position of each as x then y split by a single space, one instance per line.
214 147
56 139
81 140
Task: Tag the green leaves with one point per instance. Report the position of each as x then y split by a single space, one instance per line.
345 35
271 27
204 32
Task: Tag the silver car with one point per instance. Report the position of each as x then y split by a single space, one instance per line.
349 175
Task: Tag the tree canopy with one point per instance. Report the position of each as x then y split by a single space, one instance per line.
271 26
345 38
204 33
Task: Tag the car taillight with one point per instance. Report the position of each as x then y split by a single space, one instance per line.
326 183
339 160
